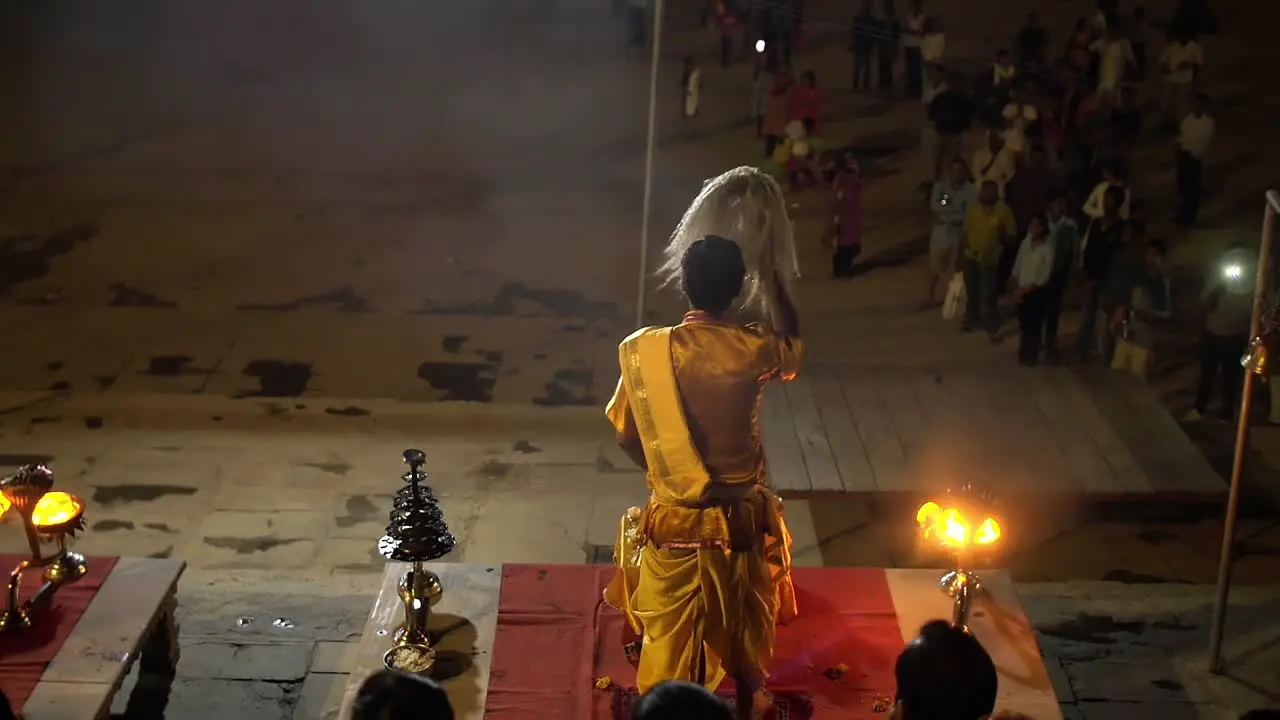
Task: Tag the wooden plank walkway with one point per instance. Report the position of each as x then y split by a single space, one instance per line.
841 428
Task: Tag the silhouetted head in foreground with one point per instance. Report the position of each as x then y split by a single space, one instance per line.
677 700
391 695
944 674
712 273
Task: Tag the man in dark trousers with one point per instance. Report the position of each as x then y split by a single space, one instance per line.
1227 300
1065 237
865 31
1031 44
950 114
887 46
1194 137
1102 242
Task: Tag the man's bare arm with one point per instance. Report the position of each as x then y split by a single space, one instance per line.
788 320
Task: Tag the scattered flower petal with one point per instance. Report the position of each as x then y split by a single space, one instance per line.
836 672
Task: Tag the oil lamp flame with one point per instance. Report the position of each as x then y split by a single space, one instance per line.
56 508
950 528
988 532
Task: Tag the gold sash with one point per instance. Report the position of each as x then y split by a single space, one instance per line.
677 474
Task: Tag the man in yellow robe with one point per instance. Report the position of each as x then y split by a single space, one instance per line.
704 568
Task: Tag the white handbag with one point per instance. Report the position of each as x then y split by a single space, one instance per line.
954 302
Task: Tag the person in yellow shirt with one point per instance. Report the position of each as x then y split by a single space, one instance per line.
704 567
988 227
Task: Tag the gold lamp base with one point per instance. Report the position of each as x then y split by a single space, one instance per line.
63 568
18 618
963 587
410 658
66 567
419 590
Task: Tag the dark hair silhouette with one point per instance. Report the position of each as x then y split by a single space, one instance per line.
945 674
678 700
392 695
712 273
6 710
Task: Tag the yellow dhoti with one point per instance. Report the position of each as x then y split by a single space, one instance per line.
704 568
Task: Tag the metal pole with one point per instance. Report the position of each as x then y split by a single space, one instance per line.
1242 440
643 284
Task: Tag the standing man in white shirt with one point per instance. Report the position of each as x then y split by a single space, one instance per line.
1180 61
1019 114
1115 56
1094 205
912 57
994 163
934 43
1194 137
1032 271
950 201
1003 71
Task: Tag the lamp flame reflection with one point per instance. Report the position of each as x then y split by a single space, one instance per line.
953 529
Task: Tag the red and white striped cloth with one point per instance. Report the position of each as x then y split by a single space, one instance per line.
554 639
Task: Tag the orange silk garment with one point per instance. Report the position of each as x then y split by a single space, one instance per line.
704 568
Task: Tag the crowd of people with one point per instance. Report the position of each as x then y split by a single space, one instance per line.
1042 212
1039 215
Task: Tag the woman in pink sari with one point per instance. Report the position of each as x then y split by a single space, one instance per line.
844 229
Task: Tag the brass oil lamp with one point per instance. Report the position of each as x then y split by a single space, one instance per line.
416 534
953 523
47 516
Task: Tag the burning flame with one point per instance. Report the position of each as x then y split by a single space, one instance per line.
56 508
4 505
950 527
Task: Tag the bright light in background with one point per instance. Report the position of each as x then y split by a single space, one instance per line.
1238 266
759 46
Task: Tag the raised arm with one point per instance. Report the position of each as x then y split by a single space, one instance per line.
1093 204
787 321
784 349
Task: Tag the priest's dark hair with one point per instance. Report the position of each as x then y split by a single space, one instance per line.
6 710
712 272
679 700
945 674
392 695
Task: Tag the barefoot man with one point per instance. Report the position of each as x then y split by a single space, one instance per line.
704 568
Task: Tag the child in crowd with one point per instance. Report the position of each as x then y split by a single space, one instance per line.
690 86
